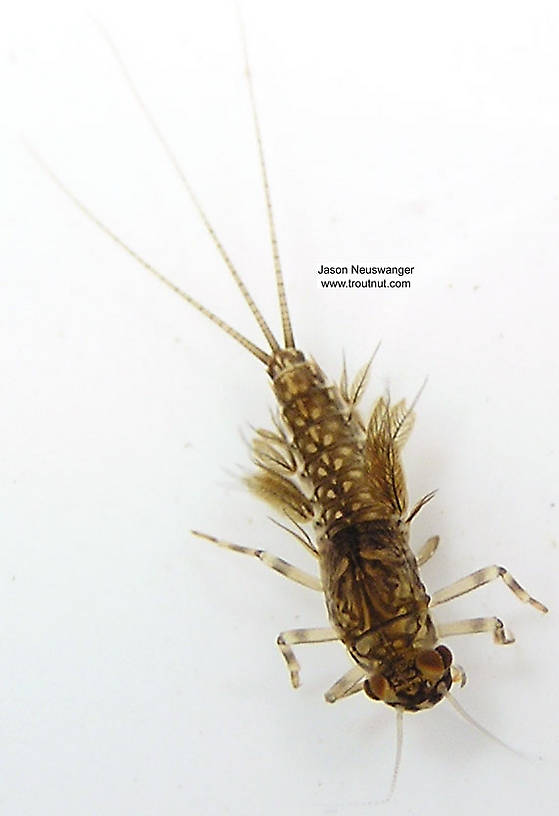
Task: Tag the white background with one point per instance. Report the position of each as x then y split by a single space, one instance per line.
139 670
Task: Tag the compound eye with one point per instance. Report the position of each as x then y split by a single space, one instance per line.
430 663
446 655
377 687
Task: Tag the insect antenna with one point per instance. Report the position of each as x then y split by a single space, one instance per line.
468 717
398 757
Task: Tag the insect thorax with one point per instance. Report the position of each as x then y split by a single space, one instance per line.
374 596
379 605
373 591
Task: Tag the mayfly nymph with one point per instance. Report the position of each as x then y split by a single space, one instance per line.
323 465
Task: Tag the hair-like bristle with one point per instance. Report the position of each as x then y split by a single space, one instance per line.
284 311
257 314
244 341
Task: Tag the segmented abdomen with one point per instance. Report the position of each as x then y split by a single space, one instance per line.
355 474
374 595
329 444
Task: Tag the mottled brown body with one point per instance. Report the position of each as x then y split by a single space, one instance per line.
373 591
331 444
350 478
323 464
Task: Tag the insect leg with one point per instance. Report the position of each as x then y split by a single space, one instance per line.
427 550
355 689
345 685
272 561
471 626
478 579
294 636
